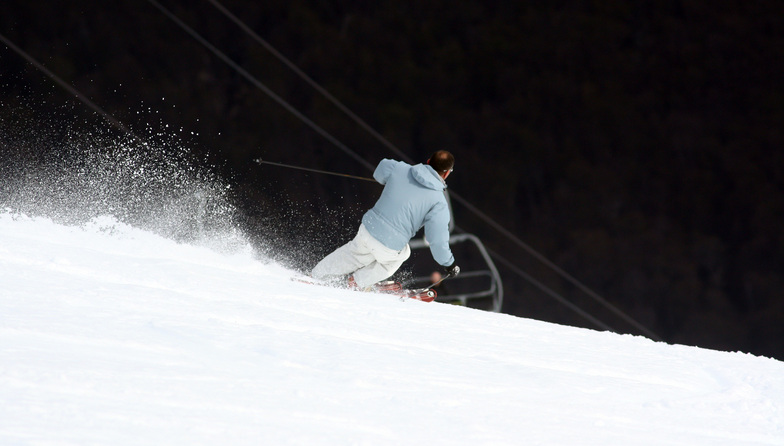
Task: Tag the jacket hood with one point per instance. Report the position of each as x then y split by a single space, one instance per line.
427 176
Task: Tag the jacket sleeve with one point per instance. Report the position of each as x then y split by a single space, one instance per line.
384 170
437 234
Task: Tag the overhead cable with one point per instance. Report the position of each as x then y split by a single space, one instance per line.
261 86
552 293
309 81
67 87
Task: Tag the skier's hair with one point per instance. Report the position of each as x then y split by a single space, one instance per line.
441 161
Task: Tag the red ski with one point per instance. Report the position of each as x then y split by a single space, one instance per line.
423 294
387 287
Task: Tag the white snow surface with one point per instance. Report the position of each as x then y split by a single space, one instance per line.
110 335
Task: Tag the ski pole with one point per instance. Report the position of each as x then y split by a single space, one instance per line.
261 161
442 279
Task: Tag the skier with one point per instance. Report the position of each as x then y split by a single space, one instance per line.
413 197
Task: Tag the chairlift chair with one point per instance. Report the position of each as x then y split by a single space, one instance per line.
469 285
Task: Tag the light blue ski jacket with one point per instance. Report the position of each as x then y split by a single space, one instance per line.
413 197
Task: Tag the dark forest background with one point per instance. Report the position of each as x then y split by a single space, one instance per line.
636 144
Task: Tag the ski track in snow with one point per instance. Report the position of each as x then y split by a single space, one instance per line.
110 335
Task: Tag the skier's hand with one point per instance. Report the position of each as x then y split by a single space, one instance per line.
453 270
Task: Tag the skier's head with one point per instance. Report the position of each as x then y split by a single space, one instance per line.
442 162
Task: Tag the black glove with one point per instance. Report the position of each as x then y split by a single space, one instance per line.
452 270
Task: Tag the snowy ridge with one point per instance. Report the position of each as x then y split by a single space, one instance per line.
110 335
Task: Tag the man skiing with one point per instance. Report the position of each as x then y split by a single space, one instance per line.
413 197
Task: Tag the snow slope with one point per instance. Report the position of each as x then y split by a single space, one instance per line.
110 335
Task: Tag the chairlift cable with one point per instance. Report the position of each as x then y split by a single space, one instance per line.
70 89
309 80
221 55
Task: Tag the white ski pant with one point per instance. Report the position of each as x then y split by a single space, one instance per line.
364 256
